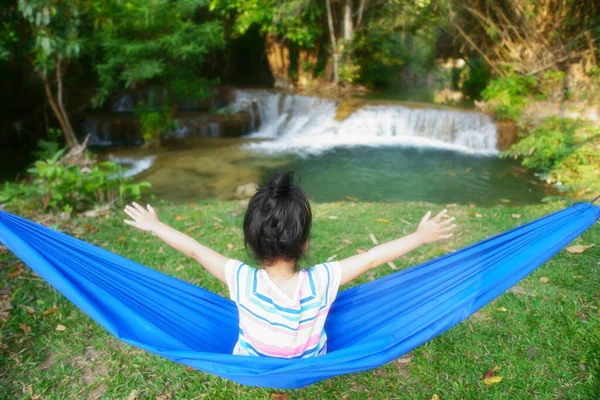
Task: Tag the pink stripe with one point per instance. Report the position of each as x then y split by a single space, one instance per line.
286 351
315 322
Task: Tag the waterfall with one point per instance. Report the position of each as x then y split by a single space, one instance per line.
307 124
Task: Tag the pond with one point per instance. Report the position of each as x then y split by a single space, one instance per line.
391 152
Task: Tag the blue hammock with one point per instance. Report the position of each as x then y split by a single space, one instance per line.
368 325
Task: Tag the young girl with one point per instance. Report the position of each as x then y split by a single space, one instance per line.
282 309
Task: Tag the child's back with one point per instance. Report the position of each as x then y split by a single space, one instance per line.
278 324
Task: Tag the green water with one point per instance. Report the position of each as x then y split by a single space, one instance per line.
214 168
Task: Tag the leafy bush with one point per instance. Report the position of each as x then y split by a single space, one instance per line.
562 151
153 123
54 185
509 95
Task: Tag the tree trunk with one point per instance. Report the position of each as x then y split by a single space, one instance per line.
348 30
334 53
278 56
307 61
59 113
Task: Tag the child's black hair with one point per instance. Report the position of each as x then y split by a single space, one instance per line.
278 220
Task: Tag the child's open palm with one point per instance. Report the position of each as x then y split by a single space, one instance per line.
143 219
433 229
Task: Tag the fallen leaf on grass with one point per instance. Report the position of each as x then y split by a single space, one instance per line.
520 290
404 360
502 309
230 246
544 279
452 205
505 200
351 198
160 250
490 379
392 265
333 257
134 395
577 276
50 311
165 396
61 328
493 380
435 397
24 328
477 215
30 310
347 241
179 268
361 251
516 216
578 248
279 396
383 220
122 239
332 217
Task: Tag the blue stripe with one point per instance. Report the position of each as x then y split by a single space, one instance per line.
328 281
266 320
237 282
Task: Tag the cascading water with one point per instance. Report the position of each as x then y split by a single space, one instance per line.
307 124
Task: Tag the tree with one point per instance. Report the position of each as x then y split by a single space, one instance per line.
58 34
156 42
296 22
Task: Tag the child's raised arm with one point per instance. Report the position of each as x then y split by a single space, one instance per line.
430 230
147 220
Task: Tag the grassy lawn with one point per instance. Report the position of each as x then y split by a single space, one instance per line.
544 336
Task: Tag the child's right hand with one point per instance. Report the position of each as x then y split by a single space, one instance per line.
144 219
433 229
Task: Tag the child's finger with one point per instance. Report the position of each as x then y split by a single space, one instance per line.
139 208
426 216
131 212
438 217
447 222
448 228
151 209
448 236
128 222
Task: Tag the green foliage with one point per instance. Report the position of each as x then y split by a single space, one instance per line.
474 78
562 151
298 20
153 123
349 72
159 42
54 186
509 95
58 30
47 148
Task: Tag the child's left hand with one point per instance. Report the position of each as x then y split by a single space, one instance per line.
143 219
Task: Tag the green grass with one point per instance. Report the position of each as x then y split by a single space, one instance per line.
547 346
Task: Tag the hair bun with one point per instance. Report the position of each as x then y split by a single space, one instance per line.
281 183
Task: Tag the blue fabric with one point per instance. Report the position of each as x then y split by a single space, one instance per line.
368 326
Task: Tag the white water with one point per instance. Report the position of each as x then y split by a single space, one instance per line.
303 124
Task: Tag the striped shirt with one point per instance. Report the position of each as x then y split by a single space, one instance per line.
274 325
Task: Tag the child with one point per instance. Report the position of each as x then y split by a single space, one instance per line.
282 309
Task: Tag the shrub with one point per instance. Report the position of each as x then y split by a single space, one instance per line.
54 185
509 95
562 151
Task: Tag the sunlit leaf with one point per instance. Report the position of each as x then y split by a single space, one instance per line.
578 248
